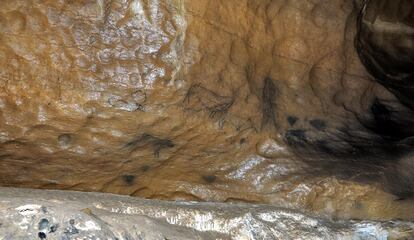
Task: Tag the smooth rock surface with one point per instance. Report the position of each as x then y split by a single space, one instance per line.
43 214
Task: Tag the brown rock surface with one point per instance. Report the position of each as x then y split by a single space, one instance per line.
232 100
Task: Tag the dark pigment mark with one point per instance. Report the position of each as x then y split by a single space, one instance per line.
129 179
243 140
145 139
209 178
199 98
318 124
268 103
296 137
292 120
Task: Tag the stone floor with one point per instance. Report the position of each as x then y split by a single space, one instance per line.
63 215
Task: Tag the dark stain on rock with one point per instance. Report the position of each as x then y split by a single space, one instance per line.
323 146
209 178
382 117
128 179
41 235
243 140
145 140
296 137
389 124
318 124
292 120
268 103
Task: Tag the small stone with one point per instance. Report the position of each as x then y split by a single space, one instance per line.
64 140
43 224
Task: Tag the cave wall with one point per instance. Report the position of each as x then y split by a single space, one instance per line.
238 100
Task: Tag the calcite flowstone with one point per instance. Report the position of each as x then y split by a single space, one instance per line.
191 100
43 214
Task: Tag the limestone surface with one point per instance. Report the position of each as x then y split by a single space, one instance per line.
64 215
259 101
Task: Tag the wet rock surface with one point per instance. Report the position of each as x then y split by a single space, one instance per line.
260 101
43 214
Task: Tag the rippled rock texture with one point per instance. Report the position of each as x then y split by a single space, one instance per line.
234 100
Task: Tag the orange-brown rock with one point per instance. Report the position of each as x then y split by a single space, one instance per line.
232 100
